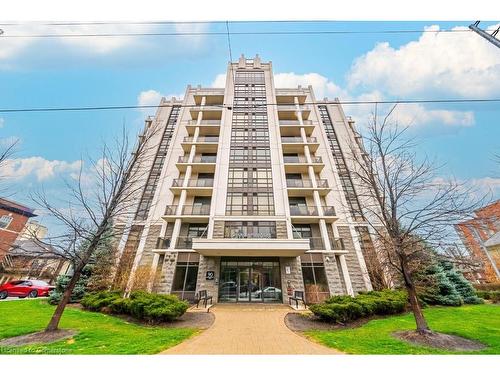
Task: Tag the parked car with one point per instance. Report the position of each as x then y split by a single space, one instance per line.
25 288
269 292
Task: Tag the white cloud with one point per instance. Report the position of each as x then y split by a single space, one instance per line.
39 167
219 81
153 98
457 63
322 86
416 114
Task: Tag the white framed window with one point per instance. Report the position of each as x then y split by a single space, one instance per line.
5 221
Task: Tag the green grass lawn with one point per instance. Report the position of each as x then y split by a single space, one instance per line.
97 333
477 322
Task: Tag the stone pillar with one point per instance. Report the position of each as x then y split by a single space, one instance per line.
211 286
293 280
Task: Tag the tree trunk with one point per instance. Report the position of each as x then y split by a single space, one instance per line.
56 317
422 326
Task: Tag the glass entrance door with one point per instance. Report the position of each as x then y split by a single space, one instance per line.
250 280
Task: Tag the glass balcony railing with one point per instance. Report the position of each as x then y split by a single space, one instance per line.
303 211
305 183
162 243
317 243
185 242
202 139
311 211
204 122
295 122
203 209
302 159
201 182
198 159
298 140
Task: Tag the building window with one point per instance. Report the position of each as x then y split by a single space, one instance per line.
186 275
250 229
315 282
5 220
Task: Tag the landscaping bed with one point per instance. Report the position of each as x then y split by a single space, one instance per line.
377 336
95 333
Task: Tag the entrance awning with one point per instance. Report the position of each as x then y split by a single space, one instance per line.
250 247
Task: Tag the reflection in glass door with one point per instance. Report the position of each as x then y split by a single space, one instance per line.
250 280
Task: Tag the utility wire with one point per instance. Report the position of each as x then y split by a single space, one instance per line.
226 106
223 33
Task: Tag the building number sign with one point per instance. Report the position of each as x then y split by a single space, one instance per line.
210 275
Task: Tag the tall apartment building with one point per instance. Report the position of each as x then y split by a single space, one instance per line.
249 196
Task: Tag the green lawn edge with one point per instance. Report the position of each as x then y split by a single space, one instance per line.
97 333
476 322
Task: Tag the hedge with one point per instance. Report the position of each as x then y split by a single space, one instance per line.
145 306
342 309
490 295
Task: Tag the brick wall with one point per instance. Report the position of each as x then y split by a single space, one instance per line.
292 281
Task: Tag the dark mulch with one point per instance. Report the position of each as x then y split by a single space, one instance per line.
440 341
307 321
39 338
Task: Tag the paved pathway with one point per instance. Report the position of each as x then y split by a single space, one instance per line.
249 329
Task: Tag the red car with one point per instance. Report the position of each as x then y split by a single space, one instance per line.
25 288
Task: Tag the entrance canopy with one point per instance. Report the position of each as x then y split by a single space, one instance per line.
250 247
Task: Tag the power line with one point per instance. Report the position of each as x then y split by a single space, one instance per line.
341 102
223 33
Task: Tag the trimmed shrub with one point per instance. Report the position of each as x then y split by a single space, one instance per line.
343 309
489 286
490 295
141 305
98 300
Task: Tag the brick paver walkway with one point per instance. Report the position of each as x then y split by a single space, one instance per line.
249 329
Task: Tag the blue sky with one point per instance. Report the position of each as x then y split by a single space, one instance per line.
66 72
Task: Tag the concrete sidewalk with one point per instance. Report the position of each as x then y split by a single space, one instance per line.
249 329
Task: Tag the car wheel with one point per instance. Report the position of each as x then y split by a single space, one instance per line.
33 294
4 295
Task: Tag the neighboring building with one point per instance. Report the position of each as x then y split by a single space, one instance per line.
13 218
32 259
249 196
33 229
480 235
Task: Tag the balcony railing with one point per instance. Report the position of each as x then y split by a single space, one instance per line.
203 209
203 139
302 159
185 242
250 210
162 243
198 159
295 122
303 211
292 107
204 122
298 140
317 243
298 183
328 211
337 244
311 211
201 182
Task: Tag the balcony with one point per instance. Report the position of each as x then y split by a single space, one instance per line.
199 187
200 163
207 127
296 144
317 243
301 187
292 127
162 243
190 213
289 111
210 112
202 143
185 242
299 164
309 214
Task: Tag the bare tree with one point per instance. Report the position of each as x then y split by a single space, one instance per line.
408 205
104 193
